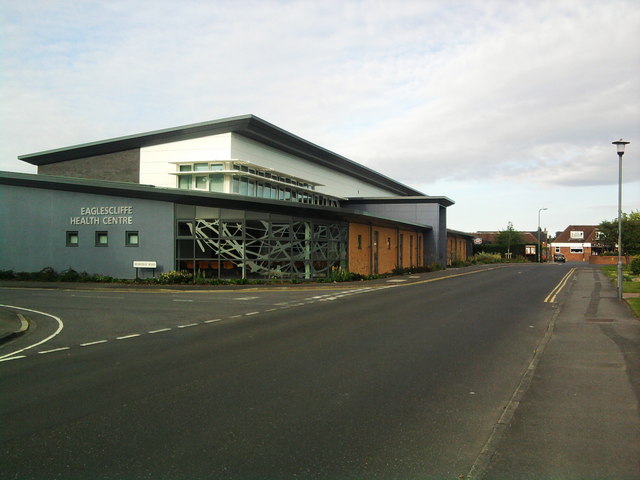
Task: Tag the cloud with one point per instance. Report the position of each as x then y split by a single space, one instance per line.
469 92
491 105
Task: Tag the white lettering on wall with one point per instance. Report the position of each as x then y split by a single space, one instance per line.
106 215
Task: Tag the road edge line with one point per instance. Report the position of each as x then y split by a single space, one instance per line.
59 329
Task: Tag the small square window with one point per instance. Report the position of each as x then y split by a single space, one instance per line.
132 239
72 239
102 239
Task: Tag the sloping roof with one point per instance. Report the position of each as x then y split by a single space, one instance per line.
527 237
444 201
249 126
589 234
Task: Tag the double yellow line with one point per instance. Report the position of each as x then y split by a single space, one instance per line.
551 298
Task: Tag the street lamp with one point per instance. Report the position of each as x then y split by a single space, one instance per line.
539 232
620 144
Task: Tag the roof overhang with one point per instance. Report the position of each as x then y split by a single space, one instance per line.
442 201
191 197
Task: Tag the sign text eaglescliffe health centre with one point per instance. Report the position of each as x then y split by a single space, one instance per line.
107 215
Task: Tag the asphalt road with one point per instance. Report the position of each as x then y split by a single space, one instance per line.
379 380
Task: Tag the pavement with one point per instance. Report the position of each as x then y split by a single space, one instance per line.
579 417
12 324
578 413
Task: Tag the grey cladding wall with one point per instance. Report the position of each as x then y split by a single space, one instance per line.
34 224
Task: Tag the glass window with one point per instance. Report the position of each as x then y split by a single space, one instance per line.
217 166
132 239
201 167
260 190
185 168
252 188
235 185
102 239
201 182
72 239
185 229
244 186
184 182
216 183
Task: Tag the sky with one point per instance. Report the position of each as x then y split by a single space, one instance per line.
505 107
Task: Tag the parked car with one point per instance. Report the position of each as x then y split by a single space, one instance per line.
559 257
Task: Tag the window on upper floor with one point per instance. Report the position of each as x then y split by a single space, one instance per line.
248 180
577 235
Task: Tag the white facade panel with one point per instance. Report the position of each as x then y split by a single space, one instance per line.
155 161
333 183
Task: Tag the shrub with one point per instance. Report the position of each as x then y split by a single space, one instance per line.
458 264
7 275
47 274
70 275
175 277
339 274
482 258
634 268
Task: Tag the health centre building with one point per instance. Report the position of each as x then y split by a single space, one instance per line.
231 198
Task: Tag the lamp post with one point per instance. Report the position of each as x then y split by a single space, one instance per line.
539 232
620 144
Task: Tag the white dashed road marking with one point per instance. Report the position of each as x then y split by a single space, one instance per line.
88 344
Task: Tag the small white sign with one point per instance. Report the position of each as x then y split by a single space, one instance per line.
144 264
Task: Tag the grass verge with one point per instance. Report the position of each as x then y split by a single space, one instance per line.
628 284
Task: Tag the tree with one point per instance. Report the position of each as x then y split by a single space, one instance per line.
507 238
630 232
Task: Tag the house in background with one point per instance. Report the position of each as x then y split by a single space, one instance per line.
526 247
578 243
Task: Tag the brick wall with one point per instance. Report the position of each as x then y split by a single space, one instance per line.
119 167
361 251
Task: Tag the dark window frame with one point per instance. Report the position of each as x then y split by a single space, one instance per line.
71 233
99 234
127 238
